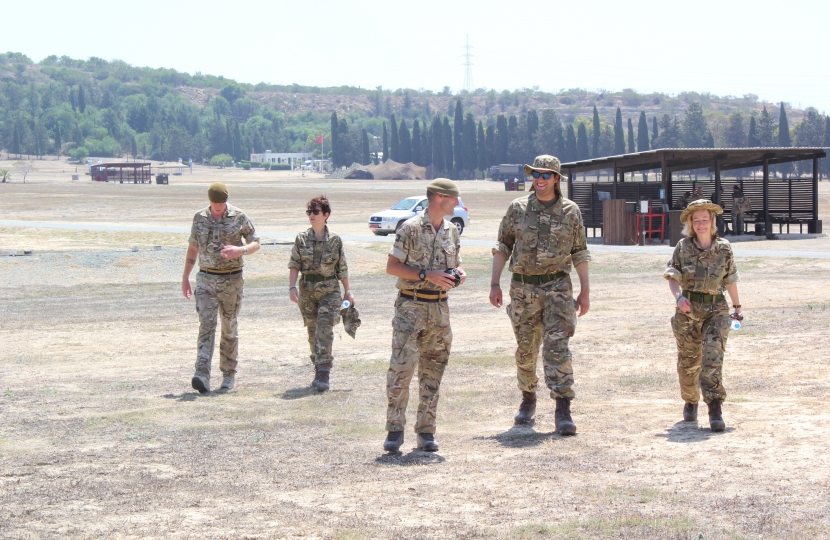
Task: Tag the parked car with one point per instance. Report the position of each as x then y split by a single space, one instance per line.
388 221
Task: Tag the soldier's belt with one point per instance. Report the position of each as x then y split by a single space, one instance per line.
424 296
315 278
703 298
220 272
538 279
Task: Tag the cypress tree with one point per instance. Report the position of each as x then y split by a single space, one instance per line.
81 99
447 135
631 148
385 143
458 144
784 139
532 124
490 146
596 134
570 145
752 140
438 160
16 140
710 140
59 143
426 152
133 146
395 147
501 147
72 99
469 142
416 144
366 158
655 133
619 137
482 147
582 151
335 156
766 128
405 143
560 140
642 133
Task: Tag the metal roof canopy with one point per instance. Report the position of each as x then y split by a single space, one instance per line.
121 165
669 160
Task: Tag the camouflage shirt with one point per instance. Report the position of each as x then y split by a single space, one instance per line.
542 240
211 235
417 244
324 257
705 271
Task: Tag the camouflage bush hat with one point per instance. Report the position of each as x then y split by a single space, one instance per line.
700 204
218 192
444 186
544 164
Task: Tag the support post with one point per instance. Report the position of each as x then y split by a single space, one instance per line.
665 182
570 184
815 191
767 226
614 186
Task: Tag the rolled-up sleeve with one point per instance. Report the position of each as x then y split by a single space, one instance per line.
295 261
341 270
673 270
248 232
732 270
579 252
507 238
401 246
194 239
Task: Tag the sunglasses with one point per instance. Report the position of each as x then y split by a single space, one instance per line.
314 211
546 175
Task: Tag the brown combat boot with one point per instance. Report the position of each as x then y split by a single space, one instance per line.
527 408
563 422
716 415
690 412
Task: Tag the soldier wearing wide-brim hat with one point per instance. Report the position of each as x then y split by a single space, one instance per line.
700 270
216 239
543 237
426 246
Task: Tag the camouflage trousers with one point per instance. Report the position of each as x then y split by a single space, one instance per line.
421 336
701 340
544 315
320 306
737 222
217 296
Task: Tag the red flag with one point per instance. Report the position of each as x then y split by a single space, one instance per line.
320 139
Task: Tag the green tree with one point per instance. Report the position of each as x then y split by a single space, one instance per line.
395 147
693 130
784 139
502 132
5 175
752 140
405 143
582 151
447 136
735 134
766 128
16 141
642 133
631 146
335 155
655 132
438 160
133 147
670 137
458 144
385 143
426 145
81 100
515 148
619 137
482 147
469 142
58 141
490 145
596 134
416 144
532 124
366 158
570 145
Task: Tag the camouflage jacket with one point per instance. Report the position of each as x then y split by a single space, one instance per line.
419 245
707 271
211 235
324 257
538 240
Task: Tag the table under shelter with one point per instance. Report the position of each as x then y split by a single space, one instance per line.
137 173
775 200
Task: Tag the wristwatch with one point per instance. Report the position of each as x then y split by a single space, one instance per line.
244 250
422 275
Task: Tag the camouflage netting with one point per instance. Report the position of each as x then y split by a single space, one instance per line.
391 170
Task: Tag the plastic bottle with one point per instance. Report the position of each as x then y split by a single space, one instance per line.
736 324
345 304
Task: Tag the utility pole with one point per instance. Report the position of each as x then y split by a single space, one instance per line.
468 68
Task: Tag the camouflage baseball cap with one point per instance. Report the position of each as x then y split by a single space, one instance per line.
544 164
700 204
218 192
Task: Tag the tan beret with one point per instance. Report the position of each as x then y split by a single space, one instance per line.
444 186
218 192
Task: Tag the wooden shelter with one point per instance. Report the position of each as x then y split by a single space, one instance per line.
137 173
774 200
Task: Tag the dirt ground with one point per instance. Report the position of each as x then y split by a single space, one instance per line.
101 435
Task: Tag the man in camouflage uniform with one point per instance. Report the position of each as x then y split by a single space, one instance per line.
216 237
322 263
542 235
425 247
699 272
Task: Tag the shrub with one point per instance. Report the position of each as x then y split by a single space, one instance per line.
79 153
246 166
221 160
280 167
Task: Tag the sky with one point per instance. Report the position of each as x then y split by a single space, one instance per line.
775 50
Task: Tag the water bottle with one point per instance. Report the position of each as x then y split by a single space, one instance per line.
345 304
736 324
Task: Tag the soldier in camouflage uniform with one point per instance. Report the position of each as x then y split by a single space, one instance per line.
216 238
542 235
701 267
425 247
318 254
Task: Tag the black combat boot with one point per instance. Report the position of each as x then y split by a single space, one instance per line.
393 441
426 442
564 424
527 408
322 379
316 377
690 412
716 415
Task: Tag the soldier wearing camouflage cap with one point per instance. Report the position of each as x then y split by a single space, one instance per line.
216 239
542 235
425 247
700 269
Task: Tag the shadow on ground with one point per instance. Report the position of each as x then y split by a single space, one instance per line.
520 436
193 396
414 457
690 432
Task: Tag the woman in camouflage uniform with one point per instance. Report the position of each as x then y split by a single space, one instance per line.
700 269
318 254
